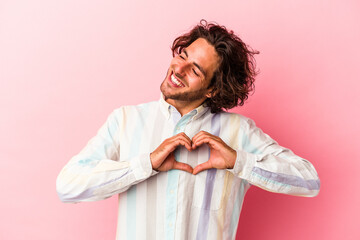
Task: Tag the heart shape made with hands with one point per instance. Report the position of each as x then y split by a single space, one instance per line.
221 155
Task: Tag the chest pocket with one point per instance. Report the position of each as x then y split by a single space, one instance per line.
209 189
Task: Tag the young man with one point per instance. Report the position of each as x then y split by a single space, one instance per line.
181 165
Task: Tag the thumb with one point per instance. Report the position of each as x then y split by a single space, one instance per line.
201 167
182 166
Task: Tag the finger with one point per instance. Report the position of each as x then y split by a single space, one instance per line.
182 166
201 167
201 133
168 146
210 140
184 143
184 140
182 134
179 141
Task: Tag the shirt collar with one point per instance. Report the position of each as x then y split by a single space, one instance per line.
167 109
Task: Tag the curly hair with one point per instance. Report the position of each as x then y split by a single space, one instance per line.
234 79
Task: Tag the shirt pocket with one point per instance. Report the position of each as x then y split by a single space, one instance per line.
209 189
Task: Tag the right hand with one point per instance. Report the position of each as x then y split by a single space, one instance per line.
163 159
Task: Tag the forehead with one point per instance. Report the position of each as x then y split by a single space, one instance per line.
204 54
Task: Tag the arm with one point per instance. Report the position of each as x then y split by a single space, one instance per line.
262 162
95 174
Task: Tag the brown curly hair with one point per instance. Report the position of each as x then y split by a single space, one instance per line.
234 79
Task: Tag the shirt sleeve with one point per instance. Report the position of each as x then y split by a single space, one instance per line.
97 173
265 164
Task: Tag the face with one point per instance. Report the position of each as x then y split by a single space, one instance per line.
190 73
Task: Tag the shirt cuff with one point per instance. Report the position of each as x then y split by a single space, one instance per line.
141 166
244 164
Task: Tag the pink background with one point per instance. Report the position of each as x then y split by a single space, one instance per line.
65 65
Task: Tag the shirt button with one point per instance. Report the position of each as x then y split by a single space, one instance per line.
172 191
170 224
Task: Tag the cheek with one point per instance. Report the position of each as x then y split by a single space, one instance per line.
196 83
174 61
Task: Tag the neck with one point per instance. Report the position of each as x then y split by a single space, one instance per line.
184 107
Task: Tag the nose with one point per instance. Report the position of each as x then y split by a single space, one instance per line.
181 68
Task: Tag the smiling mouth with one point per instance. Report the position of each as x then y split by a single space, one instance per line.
175 81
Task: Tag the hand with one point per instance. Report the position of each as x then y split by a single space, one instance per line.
221 155
162 159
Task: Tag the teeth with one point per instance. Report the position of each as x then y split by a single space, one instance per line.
175 81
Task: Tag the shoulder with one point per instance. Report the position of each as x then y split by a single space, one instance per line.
139 107
131 110
235 119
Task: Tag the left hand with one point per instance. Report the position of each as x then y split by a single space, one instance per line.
221 155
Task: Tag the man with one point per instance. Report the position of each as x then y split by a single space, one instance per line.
182 165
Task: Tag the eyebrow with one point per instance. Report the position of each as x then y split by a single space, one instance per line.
197 65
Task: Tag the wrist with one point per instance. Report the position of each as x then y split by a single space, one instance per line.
153 165
231 163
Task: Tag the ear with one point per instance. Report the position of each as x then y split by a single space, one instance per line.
210 93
